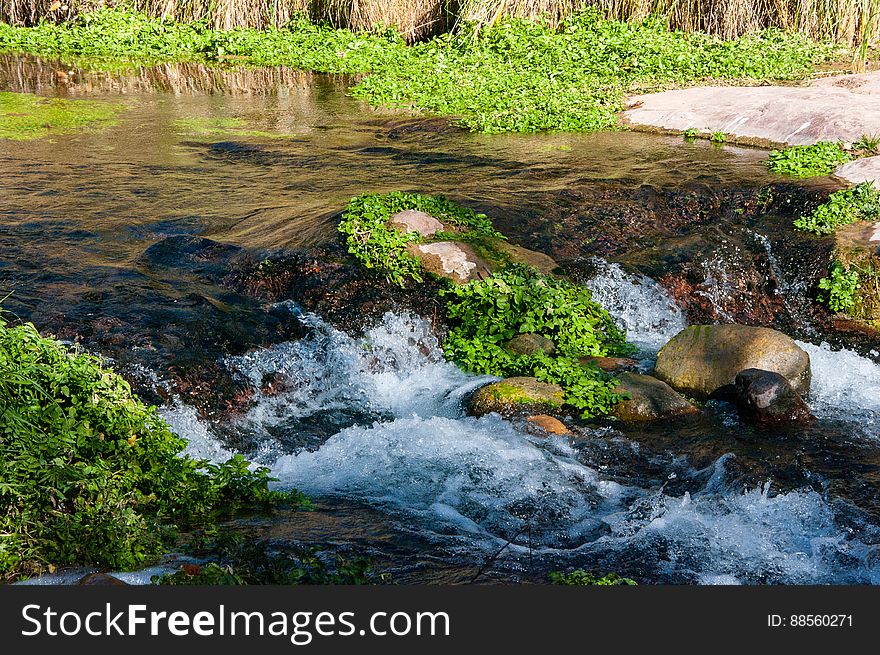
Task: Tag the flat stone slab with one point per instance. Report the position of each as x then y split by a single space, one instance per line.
413 220
840 108
860 170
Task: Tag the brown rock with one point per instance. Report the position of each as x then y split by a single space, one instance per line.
100 580
611 364
548 424
650 399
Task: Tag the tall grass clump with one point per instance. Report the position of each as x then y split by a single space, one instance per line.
89 475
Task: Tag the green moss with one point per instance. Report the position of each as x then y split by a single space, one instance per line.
511 394
494 80
89 475
808 161
581 578
24 116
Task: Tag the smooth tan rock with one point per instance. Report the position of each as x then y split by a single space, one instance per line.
866 169
413 220
450 259
548 424
840 108
650 399
521 395
538 260
701 359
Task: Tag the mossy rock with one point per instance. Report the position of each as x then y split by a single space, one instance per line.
855 247
649 399
530 344
513 396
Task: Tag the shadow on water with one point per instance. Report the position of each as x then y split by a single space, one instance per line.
125 238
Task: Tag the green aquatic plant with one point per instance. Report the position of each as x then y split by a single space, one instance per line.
808 161
24 116
484 315
717 137
839 291
859 203
494 79
377 245
581 578
89 475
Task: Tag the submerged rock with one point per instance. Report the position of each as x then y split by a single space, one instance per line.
530 344
548 424
766 398
702 359
650 399
521 395
450 259
413 220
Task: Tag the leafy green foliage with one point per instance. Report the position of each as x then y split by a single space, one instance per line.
377 245
486 314
88 473
860 203
244 560
514 75
717 137
581 578
839 291
808 161
24 116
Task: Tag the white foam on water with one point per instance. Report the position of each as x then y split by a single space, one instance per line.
201 444
845 386
638 304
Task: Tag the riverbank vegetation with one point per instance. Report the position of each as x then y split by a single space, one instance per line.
508 75
850 21
808 161
858 203
89 475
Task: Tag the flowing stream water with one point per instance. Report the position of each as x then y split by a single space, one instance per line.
371 424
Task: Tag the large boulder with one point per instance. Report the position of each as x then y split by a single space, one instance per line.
450 259
514 396
766 399
530 344
704 359
649 399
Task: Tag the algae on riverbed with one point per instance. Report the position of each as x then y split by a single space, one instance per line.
24 116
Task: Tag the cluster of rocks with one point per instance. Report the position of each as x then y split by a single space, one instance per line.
762 371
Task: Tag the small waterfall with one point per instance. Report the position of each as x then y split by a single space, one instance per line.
638 304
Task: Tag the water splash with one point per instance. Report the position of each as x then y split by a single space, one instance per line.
638 304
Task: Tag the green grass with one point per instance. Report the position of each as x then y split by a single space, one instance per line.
24 116
859 203
808 161
516 75
91 476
